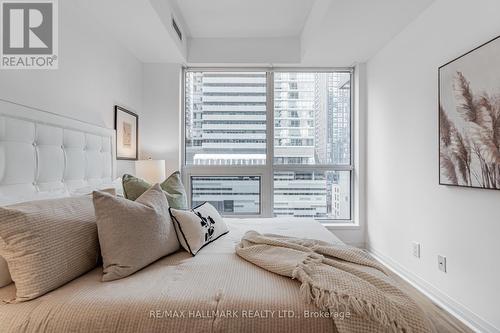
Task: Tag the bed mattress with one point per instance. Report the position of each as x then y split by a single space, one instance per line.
216 291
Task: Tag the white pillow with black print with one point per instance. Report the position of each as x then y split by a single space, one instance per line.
198 227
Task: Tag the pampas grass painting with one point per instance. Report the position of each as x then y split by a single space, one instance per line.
469 119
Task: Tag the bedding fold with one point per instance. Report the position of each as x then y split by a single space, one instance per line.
343 281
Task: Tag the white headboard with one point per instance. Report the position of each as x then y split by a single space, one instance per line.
41 153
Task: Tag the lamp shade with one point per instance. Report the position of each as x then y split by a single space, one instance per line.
152 171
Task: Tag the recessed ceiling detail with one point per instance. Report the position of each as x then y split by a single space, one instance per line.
245 18
295 32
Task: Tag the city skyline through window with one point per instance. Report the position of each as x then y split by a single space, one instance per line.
296 136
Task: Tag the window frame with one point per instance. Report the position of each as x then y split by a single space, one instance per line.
266 172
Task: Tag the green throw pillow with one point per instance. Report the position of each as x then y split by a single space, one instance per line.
175 191
134 187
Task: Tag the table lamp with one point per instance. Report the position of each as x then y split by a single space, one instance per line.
152 171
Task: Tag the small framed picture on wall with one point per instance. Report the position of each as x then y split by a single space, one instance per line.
127 133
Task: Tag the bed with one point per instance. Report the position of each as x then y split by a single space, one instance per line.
43 155
216 291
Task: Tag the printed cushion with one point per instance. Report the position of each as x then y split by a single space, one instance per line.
198 227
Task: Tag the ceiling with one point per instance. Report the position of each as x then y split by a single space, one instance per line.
278 32
139 25
355 30
244 19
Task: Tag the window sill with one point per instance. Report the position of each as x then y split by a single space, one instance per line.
342 226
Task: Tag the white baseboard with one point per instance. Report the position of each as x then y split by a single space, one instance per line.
358 245
456 309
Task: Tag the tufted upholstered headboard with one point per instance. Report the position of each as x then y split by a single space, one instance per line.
44 154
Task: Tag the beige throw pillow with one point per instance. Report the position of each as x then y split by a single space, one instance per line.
133 234
48 243
5 278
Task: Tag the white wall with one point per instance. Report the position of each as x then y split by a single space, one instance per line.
94 74
404 201
160 130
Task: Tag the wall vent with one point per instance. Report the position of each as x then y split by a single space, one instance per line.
176 28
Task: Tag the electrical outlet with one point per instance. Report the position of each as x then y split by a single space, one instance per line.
442 263
416 249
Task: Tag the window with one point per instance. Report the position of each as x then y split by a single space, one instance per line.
229 194
324 195
323 101
225 118
269 142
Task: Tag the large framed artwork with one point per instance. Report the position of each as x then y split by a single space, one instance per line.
127 133
469 118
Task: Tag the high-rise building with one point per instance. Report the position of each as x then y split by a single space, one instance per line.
229 194
339 122
300 194
228 118
294 118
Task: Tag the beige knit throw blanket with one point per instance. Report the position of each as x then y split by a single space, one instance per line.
338 278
